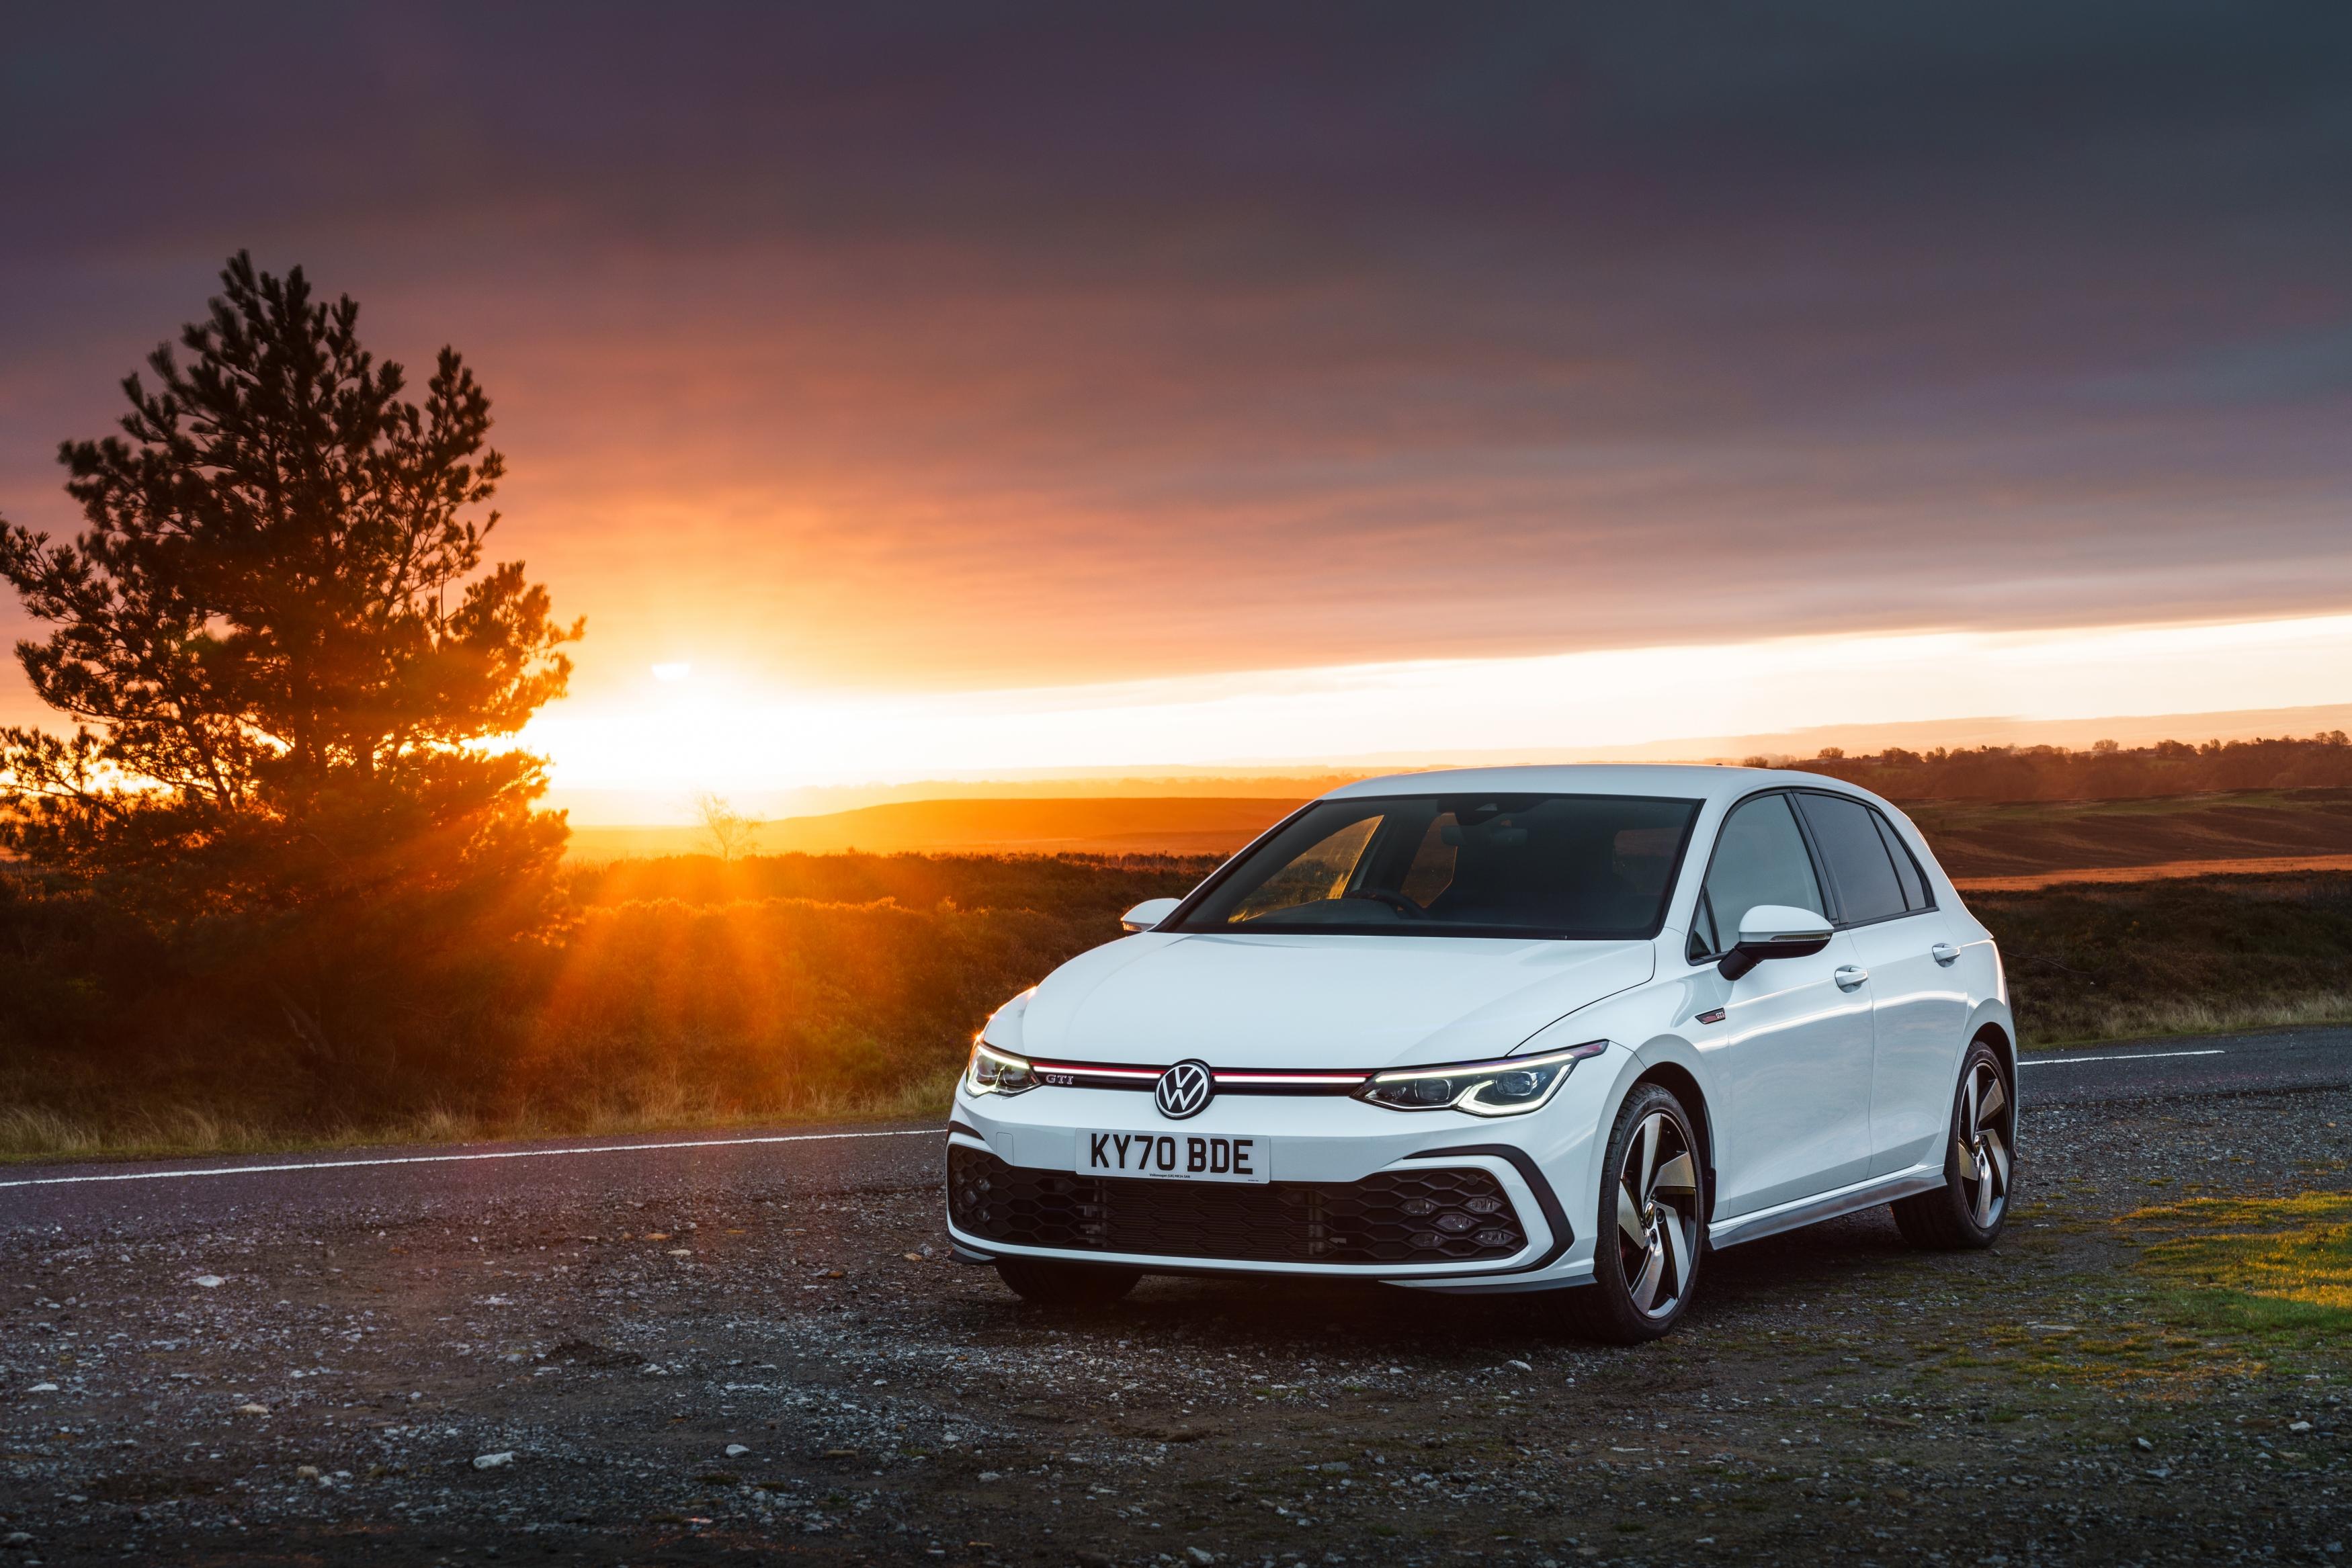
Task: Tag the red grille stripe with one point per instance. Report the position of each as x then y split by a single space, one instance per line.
1222 1075
1291 1077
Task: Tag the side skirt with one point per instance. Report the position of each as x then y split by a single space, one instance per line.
1829 1206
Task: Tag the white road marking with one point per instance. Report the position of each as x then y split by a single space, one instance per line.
738 1143
494 1155
2135 1056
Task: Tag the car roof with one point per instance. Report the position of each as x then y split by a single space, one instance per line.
1675 780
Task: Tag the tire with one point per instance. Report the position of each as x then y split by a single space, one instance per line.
1967 1212
1069 1287
1650 1221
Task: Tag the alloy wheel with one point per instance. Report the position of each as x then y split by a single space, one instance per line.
1657 1215
1983 1145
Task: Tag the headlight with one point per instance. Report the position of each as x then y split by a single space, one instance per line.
995 1071
1507 1088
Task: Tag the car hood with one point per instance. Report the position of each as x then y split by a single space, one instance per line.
1317 1001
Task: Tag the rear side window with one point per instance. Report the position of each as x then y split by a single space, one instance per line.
1759 858
1907 870
1859 860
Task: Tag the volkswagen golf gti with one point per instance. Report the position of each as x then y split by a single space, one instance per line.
1512 1029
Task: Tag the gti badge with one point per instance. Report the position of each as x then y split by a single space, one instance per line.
1184 1090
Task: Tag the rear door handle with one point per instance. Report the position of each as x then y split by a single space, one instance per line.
1944 952
1850 976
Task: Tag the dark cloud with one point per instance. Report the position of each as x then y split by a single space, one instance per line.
964 343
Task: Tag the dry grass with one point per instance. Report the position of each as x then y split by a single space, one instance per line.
2182 1016
38 1132
690 994
41 1134
2126 962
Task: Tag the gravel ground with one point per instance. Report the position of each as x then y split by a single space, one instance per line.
749 1367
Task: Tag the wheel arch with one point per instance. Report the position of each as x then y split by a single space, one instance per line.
1992 1023
1683 1085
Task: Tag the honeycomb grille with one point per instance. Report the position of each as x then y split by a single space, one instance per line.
1424 1217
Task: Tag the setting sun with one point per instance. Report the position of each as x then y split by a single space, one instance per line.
618 758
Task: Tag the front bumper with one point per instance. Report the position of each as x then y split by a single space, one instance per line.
1342 1174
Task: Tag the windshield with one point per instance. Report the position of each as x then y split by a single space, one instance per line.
1587 867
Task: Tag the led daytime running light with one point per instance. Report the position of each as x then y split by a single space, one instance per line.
995 1071
1510 1086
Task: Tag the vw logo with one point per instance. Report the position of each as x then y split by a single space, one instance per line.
1184 1090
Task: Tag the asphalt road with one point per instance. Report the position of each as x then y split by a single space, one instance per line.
752 1348
2219 1064
132 1199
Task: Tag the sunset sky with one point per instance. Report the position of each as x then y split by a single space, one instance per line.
935 389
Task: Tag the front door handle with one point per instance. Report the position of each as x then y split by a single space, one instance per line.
1944 952
1850 976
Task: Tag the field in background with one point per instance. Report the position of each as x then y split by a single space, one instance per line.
1979 838
689 992
1092 825
676 993
2090 961
2163 871
1976 839
2084 961
685 990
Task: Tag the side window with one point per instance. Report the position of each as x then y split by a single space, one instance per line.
1759 858
1855 857
1907 868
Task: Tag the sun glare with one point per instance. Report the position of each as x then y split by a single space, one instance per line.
718 734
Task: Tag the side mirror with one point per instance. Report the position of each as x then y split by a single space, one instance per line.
1774 931
1148 914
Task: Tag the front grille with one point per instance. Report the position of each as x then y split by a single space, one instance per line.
1229 1080
1422 1216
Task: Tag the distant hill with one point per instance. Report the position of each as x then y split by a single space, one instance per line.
1182 825
1991 811
1973 839
1976 838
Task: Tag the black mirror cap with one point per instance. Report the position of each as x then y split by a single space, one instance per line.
1747 954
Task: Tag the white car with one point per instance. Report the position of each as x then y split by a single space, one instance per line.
1509 1029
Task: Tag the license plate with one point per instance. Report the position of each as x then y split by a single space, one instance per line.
1175 1156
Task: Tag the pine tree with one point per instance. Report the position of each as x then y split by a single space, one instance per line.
292 665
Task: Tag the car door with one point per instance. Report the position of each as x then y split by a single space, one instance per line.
1919 1009
1790 1060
